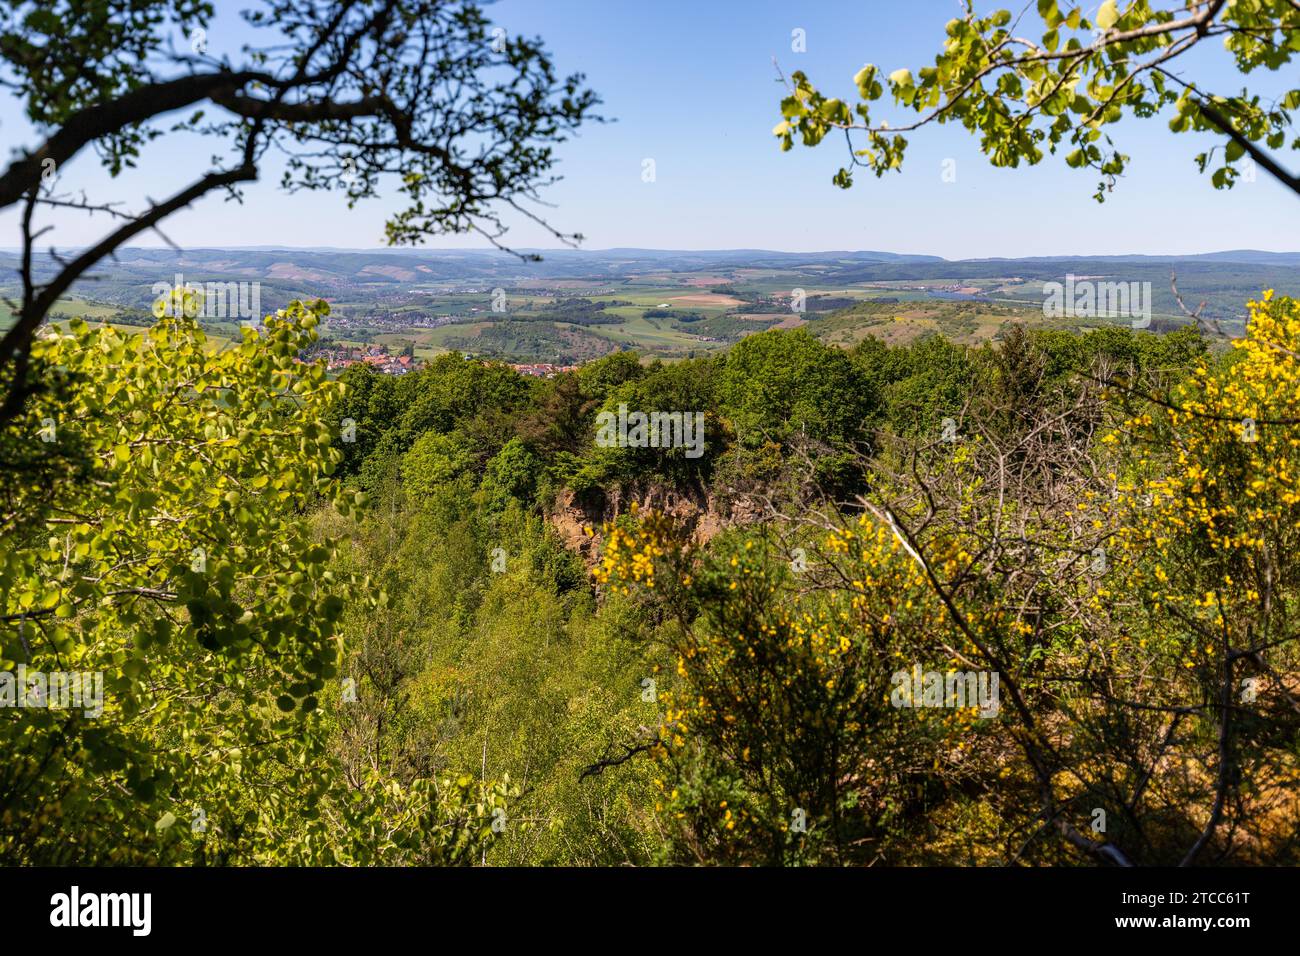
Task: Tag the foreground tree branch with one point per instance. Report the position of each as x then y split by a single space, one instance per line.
1027 97
416 92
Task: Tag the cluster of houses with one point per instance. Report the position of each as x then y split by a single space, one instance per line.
543 369
376 356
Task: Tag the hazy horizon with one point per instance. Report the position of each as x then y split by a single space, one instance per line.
415 250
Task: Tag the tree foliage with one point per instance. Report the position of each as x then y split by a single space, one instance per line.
1116 552
1027 90
169 564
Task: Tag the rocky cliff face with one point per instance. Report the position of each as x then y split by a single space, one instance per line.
702 513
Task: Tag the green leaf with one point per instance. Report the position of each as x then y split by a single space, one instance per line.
1107 14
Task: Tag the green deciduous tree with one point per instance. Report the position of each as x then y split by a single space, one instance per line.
178 570
778 384
156 548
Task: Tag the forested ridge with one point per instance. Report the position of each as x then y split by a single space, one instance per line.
351 621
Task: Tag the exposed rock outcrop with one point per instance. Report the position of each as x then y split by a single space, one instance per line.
701 512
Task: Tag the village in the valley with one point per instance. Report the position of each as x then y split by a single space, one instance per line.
381 360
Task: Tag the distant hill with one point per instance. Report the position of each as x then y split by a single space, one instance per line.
673 302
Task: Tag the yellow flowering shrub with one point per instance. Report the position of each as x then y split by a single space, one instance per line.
778 735
1205 524
1123 565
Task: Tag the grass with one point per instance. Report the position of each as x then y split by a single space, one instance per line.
71 306
533 334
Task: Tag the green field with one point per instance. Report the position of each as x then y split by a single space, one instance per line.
572 321
70 306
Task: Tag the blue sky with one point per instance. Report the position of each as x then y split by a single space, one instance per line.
692 86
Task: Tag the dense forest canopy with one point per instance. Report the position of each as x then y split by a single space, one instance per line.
435 597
